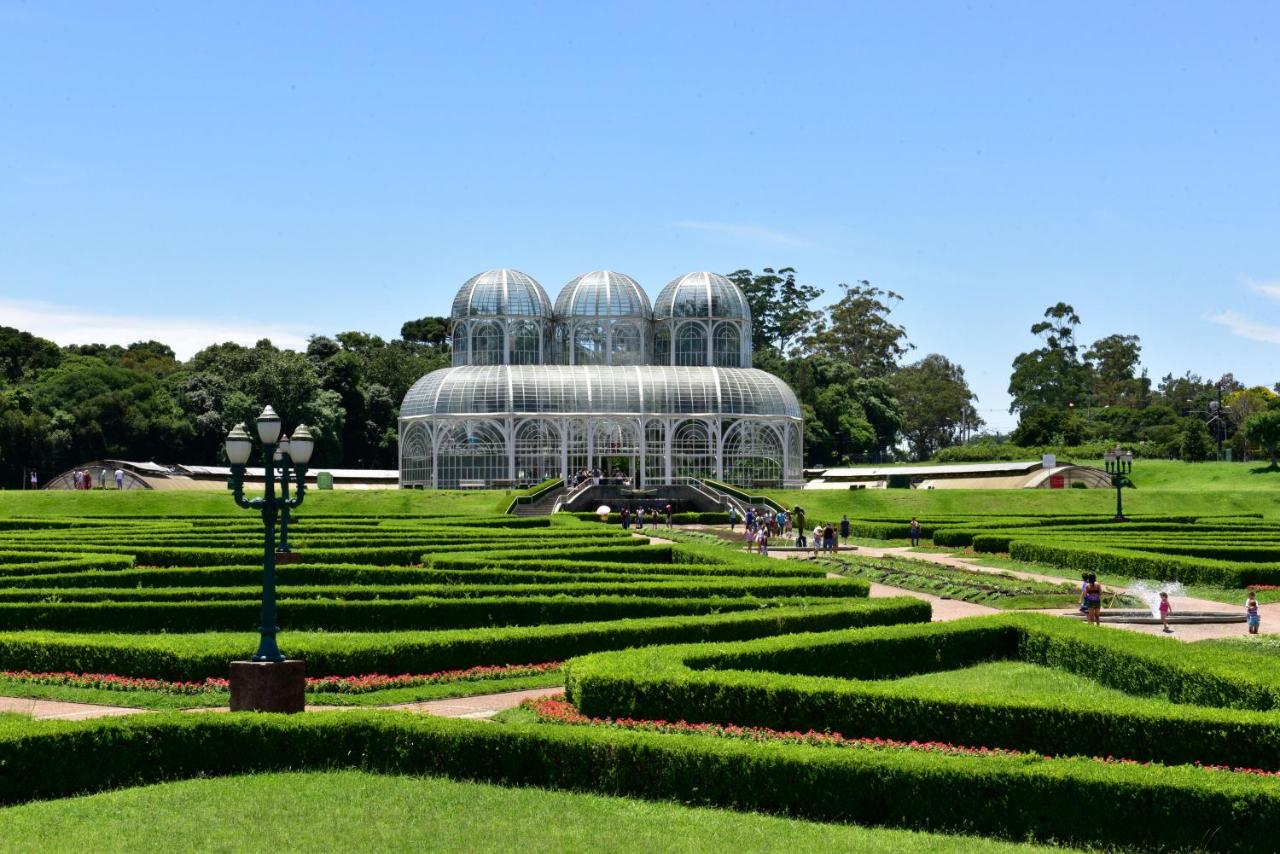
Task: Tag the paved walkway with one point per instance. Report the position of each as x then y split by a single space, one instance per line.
952 609
479 707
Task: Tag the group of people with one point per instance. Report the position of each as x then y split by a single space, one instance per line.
596 477
760 525
83 479
1091 605
640 512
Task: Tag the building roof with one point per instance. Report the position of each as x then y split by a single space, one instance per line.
501 293
637 389
707 295
871 472
603 293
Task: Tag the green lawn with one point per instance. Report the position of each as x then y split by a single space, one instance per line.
373 502
1163 486
1012 680
353 811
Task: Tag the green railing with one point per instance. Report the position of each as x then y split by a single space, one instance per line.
534 493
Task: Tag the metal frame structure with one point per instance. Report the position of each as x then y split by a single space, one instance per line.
657 393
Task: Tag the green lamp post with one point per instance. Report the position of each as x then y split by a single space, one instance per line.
1119 464
239 446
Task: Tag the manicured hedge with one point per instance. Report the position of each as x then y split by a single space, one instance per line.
791 684
197 656
1138 564
1077 801
420 613
682 587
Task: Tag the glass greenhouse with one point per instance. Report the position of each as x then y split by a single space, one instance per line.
602 381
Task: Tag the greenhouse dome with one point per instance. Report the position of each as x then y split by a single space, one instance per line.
603 318
702 319
595 385
500 317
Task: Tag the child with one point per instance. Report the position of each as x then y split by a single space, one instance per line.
1251 611
1164 612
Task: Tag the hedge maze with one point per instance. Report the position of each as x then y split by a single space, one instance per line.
693 672
177 598
1214 551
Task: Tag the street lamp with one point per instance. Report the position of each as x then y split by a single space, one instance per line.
1119 464
239 447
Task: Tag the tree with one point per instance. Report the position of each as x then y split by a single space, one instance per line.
1197 444
427 330
1264 429
937 404
1052 375
22 353
1113 362
856 331
780 306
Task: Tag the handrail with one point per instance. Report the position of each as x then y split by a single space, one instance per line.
538 493
742 496
571 495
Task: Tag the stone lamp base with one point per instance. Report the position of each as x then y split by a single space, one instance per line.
268 686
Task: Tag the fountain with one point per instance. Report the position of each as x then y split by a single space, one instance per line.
1149 592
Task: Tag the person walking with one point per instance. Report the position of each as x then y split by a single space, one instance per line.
1164 613
35 481
1251 613
762 544
733 518
670 514
915 532
798 512
119 478
640 518
626 518
1093 601
844 529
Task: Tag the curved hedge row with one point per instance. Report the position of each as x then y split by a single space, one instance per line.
1008 796
842 681
198 656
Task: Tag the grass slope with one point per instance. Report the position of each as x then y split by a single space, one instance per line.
353 811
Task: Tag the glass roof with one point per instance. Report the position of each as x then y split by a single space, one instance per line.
499 293
603 293
643 389
701 295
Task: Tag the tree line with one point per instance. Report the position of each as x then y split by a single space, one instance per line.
864 399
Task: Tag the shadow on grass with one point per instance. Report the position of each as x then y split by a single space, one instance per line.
1271 469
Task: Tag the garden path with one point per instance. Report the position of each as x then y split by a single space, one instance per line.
951 609
479 707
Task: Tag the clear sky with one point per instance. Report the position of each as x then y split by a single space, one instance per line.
198 172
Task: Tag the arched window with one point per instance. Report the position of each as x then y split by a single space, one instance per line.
415 456
486 344
525 337
728 346
662 345
473 450
691 345
691 452
626 345
537 452
753 455
461 348
588 345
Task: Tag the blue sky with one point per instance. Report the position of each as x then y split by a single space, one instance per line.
196 172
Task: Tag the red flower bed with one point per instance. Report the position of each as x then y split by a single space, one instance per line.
561 711
321 684
1258 588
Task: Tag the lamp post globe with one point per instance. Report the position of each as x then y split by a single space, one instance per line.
239 445
301 445
268 426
